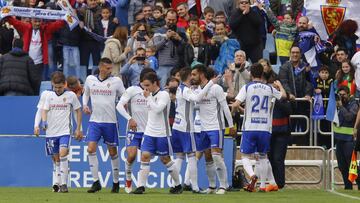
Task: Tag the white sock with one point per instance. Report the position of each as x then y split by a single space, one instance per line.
128 169
64 170
270 175
247 166
94 166
174 173
143 173
57 173
187 176
178 162
211 173
263 172
220 169
115 168
193 171
257 168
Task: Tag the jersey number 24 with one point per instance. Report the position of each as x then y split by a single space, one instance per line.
259 104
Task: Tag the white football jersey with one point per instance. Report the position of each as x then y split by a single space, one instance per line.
136 105
103 95
42 99
158 116
258 99
59 109
184 119
211 112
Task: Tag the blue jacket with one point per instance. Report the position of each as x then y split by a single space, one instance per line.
226 55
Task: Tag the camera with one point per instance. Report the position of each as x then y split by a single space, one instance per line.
140 58
173 27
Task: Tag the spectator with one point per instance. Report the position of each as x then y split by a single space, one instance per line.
135 6
71 52
6 37
147 12
157 19
293 76
140 36
133 68
323 83
221 18
167 41
334 64
208 24
285 33
183 13
194 6
121 12
345 36
36 36
240 71
246 25
88 16
105 26
269 75
219 5
281 7
73 84
196 49
18 75
346 77
116 49
343 133
150 56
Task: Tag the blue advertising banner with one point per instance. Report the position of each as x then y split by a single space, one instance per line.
24 163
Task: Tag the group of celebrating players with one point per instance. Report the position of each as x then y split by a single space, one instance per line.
201 110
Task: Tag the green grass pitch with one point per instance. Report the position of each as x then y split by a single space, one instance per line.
38 195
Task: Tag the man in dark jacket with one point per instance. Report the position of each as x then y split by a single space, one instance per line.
246 25
293 75
18 75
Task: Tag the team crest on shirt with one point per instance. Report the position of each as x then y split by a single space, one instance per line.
108 85
64 99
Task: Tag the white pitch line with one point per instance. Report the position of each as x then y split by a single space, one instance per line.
343 195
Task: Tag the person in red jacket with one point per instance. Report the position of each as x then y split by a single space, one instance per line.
36 35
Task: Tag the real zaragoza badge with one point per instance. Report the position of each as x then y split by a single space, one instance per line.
332 15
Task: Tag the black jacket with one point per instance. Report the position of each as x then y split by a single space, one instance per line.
70 38
6 38
17 73
99 29
246 28
188 52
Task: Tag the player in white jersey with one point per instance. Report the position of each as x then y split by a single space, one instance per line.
182 139
56 121
157 133
137 116
56 162
213 107
103 90
257 122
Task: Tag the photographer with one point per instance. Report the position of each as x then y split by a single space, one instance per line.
133 68
167 39
347 108
140 36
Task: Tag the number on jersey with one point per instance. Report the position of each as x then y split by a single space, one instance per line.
259 104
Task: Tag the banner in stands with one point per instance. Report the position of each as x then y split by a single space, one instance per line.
24 163
39 13
327 15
